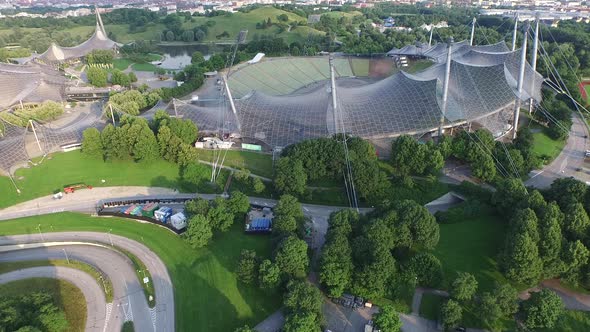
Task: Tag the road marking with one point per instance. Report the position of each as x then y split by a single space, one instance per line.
153 316
108 316
537 173
306 209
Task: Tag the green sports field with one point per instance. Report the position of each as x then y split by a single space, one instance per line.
207 295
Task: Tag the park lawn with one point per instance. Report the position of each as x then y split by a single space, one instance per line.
571 321
360 67
122 63
339 14
423 191
257 163
66 296
430 306
236 22
72 167
144 67
545 147
417 66
207 295
471 244
74 264
587 88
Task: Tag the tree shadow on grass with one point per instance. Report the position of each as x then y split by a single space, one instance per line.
205 308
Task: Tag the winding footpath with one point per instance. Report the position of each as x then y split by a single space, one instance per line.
93 294
129 300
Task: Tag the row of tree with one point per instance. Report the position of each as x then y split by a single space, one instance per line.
135 139
549 232
324 158
361 253
98 77
205 217
287 270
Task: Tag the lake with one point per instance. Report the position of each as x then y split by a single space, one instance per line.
179 56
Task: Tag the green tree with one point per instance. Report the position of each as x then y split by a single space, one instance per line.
509 194
198 232
489 309
219 215
92 143
336 266
132 77
421 224
387 319
542 310
247 266
576 222
451 314
288 206
196 206
97 76
120 78
269 275
550 242
238 204
284 224
291 257
301 322
520 260
258 185
407 155
575 258
427 268
290 176
302 296
464 286
197 58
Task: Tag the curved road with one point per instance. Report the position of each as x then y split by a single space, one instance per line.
94 295
568 161
129 301
161 316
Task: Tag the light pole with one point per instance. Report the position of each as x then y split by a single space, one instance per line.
66 253
39 229
110 238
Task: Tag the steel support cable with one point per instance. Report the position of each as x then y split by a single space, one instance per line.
552 119
499 165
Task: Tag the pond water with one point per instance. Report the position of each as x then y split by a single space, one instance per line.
179 56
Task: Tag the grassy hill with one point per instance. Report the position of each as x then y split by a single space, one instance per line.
232 24
247 21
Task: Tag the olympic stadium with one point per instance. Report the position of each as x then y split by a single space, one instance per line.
281 101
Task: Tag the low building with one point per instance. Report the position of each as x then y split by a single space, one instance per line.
259 220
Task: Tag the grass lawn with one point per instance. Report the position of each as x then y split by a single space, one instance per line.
360 67
416 66
423 191
572 321
430 306
91 270
73 167
545 147
207 295
144 67
66 296
121 63
470 245
247 21
587 88
257 163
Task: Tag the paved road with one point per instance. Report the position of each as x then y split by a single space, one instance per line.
163 313
95 299
569 160
129 301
